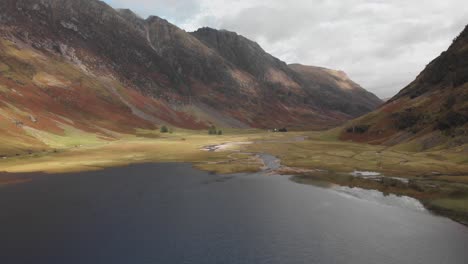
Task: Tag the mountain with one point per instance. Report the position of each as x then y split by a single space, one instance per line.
80 65
341 93
431 111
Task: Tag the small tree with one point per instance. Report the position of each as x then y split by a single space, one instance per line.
164 129
220 132
212 130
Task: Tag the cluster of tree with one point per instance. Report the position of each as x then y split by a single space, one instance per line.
213 131
407 119
165 129
451 120
358 129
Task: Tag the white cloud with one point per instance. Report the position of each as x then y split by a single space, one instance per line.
382 45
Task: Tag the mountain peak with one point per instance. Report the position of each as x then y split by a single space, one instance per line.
157 19
128 13
222 36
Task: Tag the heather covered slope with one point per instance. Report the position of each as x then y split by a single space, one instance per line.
44 100
431 111
79 68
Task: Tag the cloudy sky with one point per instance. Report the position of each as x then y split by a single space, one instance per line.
381 44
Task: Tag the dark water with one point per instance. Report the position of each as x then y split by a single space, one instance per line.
171 213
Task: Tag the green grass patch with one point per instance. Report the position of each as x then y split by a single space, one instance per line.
4 67
73 137
456 205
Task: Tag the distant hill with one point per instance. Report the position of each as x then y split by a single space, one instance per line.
341 93
431 111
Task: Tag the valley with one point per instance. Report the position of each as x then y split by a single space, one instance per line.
127 138
437 177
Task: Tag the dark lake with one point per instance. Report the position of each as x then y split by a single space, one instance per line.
171 213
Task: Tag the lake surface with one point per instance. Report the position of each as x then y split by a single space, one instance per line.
172 213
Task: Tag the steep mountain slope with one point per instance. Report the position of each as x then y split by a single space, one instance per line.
431 111
82 67
342 93
248 56
313 84
300 87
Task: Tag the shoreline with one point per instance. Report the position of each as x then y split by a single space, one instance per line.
301 154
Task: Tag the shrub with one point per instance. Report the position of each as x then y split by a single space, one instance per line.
212 130
358 129
220 132
451 100
164 129
451 120
407 119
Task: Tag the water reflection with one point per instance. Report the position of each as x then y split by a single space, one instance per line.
172 213
380 198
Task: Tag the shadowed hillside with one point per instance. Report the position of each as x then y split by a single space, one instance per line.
431 111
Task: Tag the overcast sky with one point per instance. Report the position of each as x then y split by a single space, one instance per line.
380 44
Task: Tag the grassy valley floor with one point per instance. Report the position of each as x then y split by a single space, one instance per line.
438 178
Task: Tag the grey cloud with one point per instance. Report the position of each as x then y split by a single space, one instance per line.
382 45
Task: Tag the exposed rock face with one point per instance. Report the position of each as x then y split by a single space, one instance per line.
167 74
430 111
189 57
242 53
103 38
